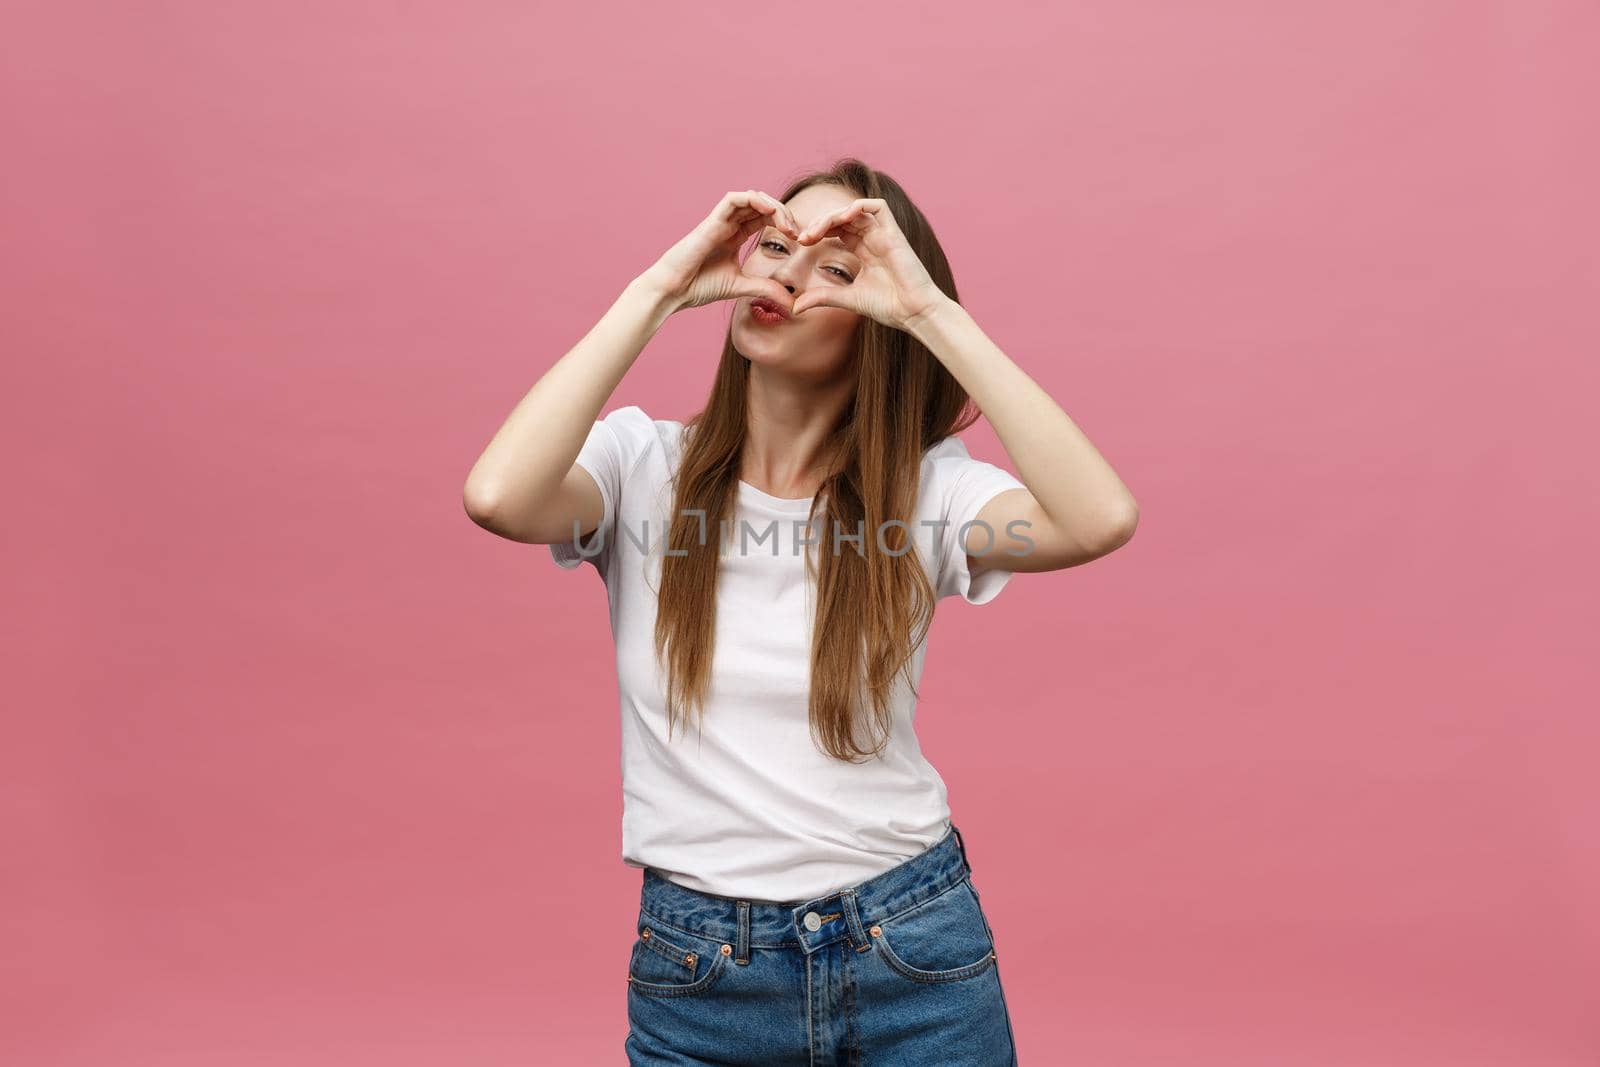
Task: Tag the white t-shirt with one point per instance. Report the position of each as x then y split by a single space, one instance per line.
747 806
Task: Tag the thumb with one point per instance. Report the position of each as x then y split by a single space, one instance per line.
821 298
755 288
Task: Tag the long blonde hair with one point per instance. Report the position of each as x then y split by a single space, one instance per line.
873 608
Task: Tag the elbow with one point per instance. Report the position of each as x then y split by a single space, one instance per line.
1130 519
1118 528
482 504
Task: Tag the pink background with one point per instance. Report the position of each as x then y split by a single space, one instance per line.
302 767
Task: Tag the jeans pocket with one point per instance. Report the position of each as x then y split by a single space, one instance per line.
667 962
945 939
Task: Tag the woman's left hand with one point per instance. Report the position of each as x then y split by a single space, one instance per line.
893 287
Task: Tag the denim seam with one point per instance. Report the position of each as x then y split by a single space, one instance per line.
685 989
924 902
657 920
953 974
666 948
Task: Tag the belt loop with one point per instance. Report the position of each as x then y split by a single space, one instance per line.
741 953
963 846
852 920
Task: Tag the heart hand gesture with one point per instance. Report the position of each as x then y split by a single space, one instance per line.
704 266
893 287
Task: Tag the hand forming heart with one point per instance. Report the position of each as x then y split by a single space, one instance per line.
893 287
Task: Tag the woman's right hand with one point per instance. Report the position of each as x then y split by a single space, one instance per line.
704 266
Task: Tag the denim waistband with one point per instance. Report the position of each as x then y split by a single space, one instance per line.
809 924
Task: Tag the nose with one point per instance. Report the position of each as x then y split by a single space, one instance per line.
785 270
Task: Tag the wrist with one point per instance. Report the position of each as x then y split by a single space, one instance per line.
648 288
925 324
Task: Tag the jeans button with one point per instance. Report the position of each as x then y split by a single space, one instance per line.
813 921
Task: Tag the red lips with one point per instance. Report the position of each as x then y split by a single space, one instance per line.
769 306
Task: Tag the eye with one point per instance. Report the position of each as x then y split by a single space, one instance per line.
778 245
846 275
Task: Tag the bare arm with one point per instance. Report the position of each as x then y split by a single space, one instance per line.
1076 506
527 485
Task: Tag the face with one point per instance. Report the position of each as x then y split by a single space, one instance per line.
817 344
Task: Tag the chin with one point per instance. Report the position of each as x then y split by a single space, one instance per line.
759 344
767 354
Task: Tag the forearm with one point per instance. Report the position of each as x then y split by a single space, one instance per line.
1066 474
534 449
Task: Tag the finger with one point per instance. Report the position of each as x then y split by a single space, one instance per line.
781 216
858 214
753 209
747 211
751 225
849 224
818 228
754 288
817 298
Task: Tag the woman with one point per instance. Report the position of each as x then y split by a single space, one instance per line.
805 897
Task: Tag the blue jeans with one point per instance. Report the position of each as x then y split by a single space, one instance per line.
897 970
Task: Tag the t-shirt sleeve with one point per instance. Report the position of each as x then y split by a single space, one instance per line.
610 453
967 485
